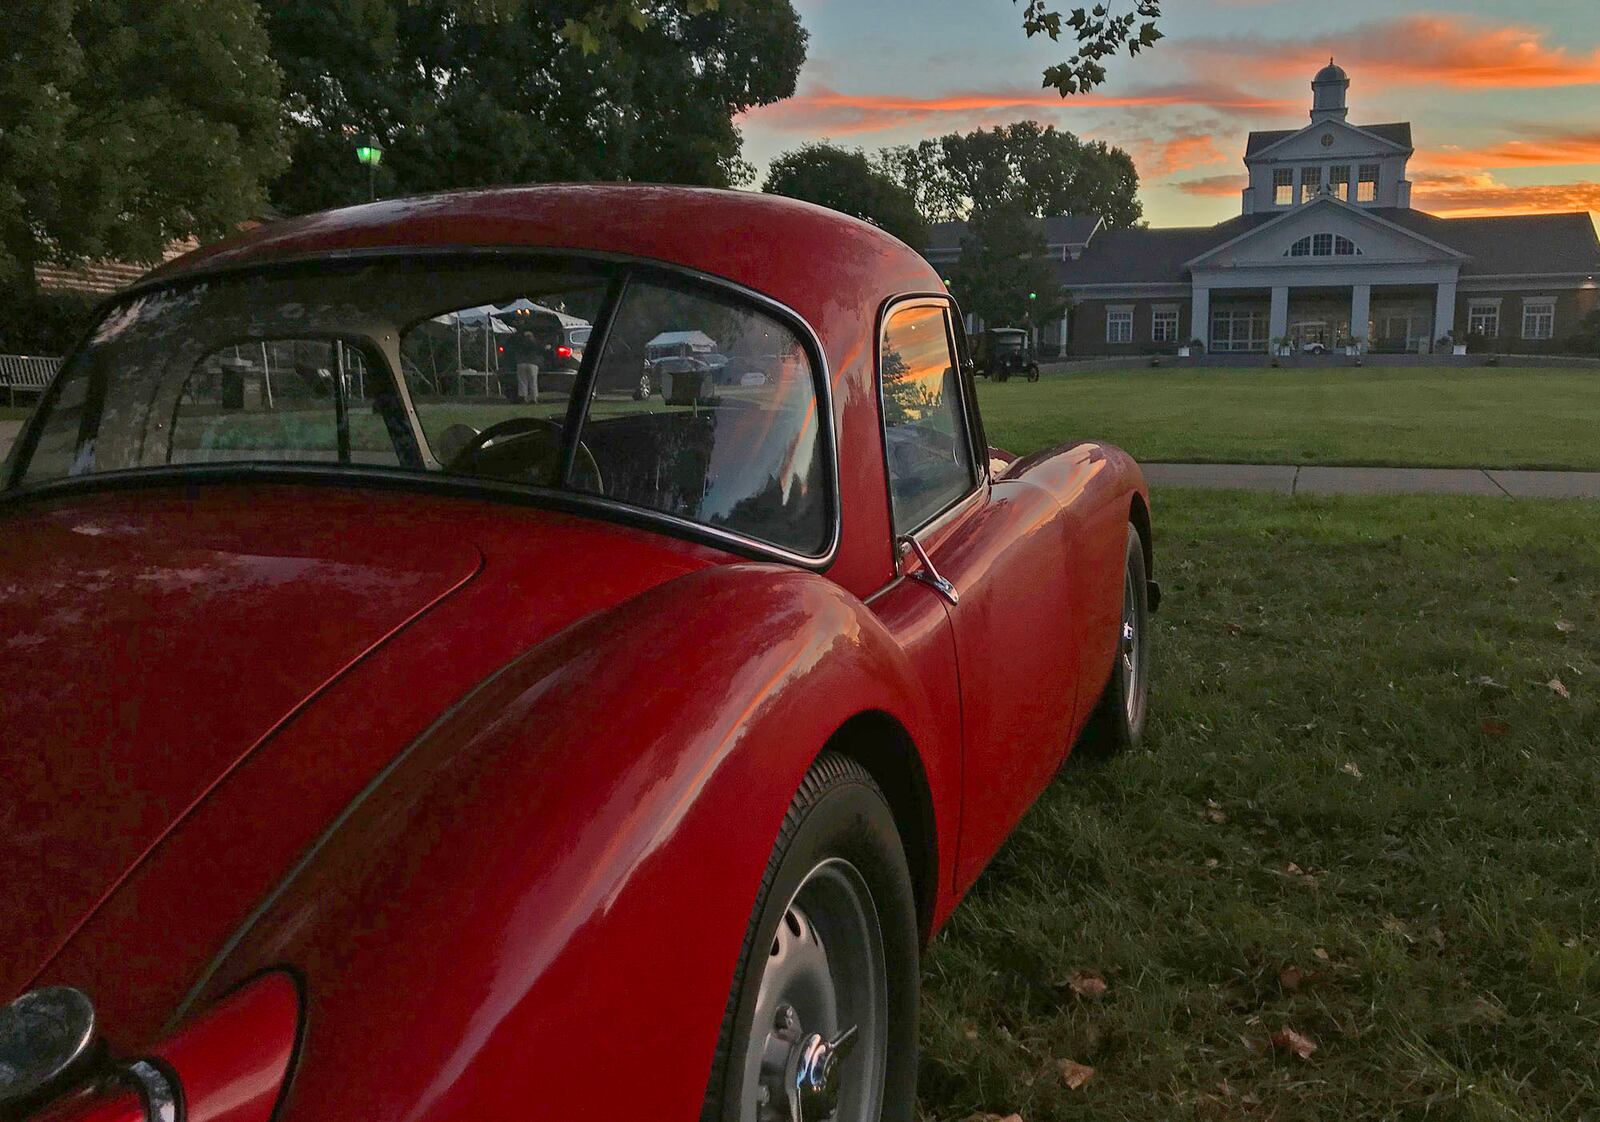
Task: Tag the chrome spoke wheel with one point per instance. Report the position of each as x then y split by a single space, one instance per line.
1131 643
817 1048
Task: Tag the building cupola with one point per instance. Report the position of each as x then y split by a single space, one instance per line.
1328 91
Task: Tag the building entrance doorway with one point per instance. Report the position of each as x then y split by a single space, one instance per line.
1403 331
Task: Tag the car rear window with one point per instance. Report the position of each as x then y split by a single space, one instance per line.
636 388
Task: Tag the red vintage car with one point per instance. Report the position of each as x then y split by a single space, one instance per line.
378 744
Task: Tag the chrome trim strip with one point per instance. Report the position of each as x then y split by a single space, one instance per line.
159 1092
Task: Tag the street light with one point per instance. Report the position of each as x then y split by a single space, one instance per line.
370 153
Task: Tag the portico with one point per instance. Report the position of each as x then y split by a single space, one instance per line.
1315 269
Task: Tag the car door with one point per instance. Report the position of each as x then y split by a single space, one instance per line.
996 552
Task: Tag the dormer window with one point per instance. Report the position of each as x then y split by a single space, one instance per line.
1323 245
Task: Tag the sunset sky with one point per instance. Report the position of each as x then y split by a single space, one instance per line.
1503 96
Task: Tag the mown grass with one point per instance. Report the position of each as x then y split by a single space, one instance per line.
1356 769
1435 417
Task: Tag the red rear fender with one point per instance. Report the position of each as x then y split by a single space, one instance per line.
552 886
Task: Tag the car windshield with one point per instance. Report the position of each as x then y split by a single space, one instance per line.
1007 343
635 387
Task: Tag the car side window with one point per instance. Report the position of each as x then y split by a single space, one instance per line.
925 432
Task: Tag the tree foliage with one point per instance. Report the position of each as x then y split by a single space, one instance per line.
1033 167
125 124
464 93
846 181
1005 274
1099 32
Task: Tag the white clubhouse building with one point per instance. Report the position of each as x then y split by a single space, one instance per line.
1327 249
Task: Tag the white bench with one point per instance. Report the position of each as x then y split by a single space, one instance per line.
25 374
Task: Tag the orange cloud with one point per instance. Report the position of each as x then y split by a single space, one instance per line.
1467 194
1431 48
1549 149
1213 186
1156 158
824 111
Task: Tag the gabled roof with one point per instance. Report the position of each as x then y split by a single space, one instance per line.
1362 214
1511 243
1059 229
1150 255
1395 132
1535 243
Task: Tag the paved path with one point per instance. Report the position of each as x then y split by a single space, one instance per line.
1286 479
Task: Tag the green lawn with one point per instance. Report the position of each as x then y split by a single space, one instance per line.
1500 417
1362 813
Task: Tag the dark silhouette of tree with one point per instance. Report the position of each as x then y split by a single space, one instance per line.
846 181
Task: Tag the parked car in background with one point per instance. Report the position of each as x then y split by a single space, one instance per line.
1004 352
380 755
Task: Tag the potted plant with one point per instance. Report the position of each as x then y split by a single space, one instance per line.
1195 348
1354 345
1283 346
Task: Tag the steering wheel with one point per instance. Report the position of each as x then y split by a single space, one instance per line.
525 450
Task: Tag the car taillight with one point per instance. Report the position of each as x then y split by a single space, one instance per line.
563 351
228 1065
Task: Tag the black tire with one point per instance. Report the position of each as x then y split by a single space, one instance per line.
1001 376
1033 373
839 813
1118 722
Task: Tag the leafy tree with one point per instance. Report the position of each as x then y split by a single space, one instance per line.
846 181
462 93
1005 274
125 124
1038 168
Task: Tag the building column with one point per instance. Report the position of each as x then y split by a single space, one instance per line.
1294 195
1062 340
1200 315
1360 311
1278 320
1444 310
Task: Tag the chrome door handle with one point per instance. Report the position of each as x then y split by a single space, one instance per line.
928 575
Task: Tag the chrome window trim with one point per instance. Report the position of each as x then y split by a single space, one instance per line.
980 462
628 265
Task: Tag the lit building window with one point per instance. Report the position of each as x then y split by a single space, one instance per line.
1282 186
1310 182
1323 245
1483 319
1538 319
1367 184
1119 325
1164 325
1339 182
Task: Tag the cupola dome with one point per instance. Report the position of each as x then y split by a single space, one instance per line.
1328 93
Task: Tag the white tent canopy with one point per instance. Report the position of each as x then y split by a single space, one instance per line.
523 305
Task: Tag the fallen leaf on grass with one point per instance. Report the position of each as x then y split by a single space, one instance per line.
1287 1040
1299 874
1232 628
1321 953
1087 983
1290 978
1557 688
1489 687
1073 1074
1351 769
1566 626
970 1031
1214 812
1494 726
1212 862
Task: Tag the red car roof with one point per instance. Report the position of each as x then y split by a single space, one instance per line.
802 255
